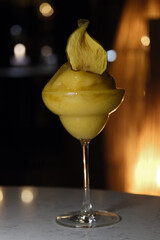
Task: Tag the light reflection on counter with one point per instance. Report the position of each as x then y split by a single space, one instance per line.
27 195
1 195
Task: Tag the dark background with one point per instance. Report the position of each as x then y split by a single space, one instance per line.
35 149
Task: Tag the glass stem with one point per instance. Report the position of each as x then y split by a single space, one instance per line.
87 206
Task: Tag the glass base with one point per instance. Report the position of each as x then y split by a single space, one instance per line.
88 220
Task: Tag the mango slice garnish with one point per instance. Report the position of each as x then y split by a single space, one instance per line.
83 52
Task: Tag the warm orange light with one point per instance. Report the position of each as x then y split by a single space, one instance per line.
146 177
133 133
46 9
158 176
146 169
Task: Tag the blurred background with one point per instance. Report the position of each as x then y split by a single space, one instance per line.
35 149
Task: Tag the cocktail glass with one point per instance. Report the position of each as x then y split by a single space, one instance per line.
84 115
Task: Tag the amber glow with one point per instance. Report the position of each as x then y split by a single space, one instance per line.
146 174
46 9
133 132
158 176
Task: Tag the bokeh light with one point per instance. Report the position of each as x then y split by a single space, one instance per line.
15 30
49 57
46 9
46 51
111 55
19 50
145 40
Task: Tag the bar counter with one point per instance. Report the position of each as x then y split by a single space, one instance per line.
29 213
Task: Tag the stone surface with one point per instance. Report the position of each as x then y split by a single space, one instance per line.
31 215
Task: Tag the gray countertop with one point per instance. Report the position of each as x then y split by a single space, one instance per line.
31 214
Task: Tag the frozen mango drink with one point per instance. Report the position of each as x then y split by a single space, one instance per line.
81 92
83 95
